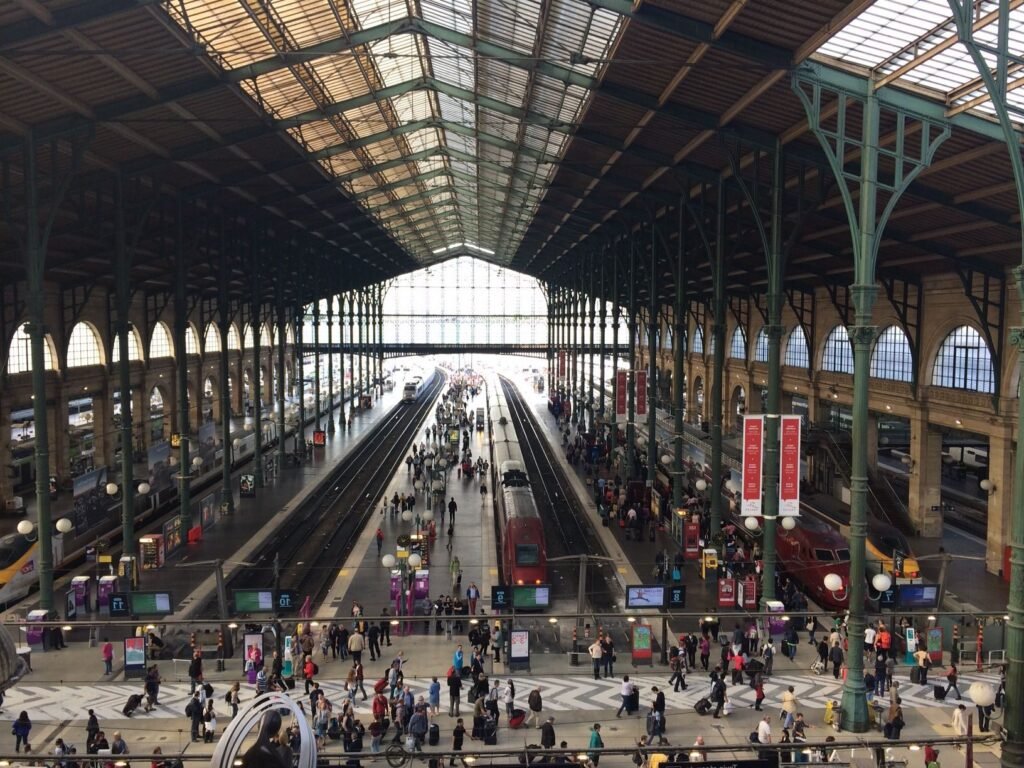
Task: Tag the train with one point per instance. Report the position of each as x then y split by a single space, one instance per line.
18 565
412 389
523 549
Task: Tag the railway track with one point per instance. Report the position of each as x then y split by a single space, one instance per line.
314 545
565 521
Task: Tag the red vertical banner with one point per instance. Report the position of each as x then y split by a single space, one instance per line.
621 381
753 459
641 393
789 466
561 363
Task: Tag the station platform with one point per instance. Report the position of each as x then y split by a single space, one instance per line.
65 684
248 528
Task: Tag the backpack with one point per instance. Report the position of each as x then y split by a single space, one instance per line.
719 691
534 701
227 697
316 669
188 710
769 651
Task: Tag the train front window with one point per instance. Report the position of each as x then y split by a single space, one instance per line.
824 555
843 555
889 542
527 554
13 547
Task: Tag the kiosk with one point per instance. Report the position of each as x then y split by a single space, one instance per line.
106 587
81 587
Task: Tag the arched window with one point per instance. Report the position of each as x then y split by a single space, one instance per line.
19 356
838 355
191 342
233 341
84 347
134 348
797 353
761 347
892 358
289 335
964 362
266 337
247 337
738 346
698 341
212 341
160 344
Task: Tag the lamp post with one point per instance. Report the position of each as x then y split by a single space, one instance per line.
128 518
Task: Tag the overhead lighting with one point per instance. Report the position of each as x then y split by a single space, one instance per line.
468 246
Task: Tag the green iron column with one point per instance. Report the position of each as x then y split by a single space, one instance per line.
227 498
282 337
592 321
123 328
316 362
631 376
574 349
380 339
256 320
678 350
352 346
653 327
603 301
299 352
718 366
181 374
330 364
614 421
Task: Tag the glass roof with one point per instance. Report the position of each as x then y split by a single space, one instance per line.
915 42
444 119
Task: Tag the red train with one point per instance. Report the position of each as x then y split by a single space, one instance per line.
809 553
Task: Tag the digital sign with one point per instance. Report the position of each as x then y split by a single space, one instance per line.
151 603
528 597
641 596
119 608
501 598
918 595
677 596
254 600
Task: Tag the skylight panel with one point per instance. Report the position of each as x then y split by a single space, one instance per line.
452 14
885 28
422 140
413 106
397 59
453 64
372 13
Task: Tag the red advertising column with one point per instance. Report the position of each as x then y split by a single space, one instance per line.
753 459
641 393
789 466
621 381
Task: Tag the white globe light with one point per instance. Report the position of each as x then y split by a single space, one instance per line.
982 694
415 561
197 462
144 488
881 581
702 485
833 582
442 463
418 485
437 485
732 486
789 523
64 525
25 527
388 561
407 515
427 516
666 459
751 523
111 489
640 442
986 484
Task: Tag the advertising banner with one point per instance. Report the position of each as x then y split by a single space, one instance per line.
134 657
789 466
519 645
158 458
561 363
642 653
91 500
621 380
641 393
246 485
753 457
207 511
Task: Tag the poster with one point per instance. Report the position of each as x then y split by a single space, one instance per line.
172 535
134 654
158 459
934 639
621 380
642 653
641 393
753 455
91 500
253 651
246 486
207 511
519 645
789 466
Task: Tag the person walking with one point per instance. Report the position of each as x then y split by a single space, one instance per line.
21 729
607 654
547 733
718 696
836 656
924 663
356 645
508 697
596 745
472 595
373 641
789 706
677 678
434 697
195 671
705 651
952 675
209 722
452 508
107 654
458 738
92 727
658 708
454 692
535 703
498 641
960 720
379 536
234 696
625 693
758 690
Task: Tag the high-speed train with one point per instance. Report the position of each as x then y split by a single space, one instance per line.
411 390
523 551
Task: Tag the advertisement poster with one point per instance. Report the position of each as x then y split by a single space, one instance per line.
621 381
246 486
934 639
642 653
641 393
519 645
645 596
91 500
561 363
158 458
253 651
753 455
134 656
207 447
207 511
172 535
789 466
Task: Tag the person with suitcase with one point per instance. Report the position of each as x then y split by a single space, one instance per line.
952 675
626 693
434 735
131 705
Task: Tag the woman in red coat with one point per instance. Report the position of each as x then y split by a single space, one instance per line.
308 672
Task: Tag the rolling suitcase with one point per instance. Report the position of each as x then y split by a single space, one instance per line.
940 693
491 733
434 735
703 706
131 705
380 685
517 719
633 703
915 675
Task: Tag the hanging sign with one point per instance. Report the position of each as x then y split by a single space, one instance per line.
561 363
641 393
753 457
789 466
620 393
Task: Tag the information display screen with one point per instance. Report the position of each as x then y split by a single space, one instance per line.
144 603
641 596
527 597
501 598
677 596
918 595
254 601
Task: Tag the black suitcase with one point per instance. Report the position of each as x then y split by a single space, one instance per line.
131 705
915 675
434 735
940 693
208 690
633 702
703 706
491 733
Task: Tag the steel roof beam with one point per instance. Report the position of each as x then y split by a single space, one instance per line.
30 29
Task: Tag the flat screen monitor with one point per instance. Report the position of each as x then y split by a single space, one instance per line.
151 603
918 595
643 596
526 598
254 601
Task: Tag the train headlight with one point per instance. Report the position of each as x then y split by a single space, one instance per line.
536 581
519 582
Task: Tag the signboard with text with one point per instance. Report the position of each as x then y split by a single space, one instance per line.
621 381
789 466
753 458
641 393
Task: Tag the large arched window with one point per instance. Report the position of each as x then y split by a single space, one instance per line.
191 342
698 341
964 362
761 347
738 346
233 340
838 354
892 358
797 353
212 341
134 348
19 356
289 335
266 337
84 347
247 337
160 344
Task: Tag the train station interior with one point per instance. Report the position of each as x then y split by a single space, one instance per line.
718 301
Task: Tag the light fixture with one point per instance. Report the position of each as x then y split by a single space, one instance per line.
112 489
987 486
418 485
732 486
959 422
552 620
232 625
914 747
66 628
931 618
415 561
881 582
751 523
427 516
197 462
789 523
907 461
388 561
26 527
631 619
833 582
701 485
407 515
144 488
982 694
888 407
666 459
64 525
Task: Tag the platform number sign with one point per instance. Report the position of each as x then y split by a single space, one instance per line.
676 597
898 558
286 601
501 598
119 608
